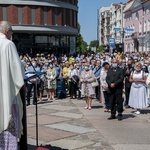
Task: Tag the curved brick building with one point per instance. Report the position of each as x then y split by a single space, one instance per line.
48 26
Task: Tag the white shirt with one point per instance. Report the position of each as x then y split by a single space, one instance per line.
72 72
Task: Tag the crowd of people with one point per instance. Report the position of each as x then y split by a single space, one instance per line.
117 80
110 78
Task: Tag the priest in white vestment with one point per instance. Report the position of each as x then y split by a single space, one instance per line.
11 81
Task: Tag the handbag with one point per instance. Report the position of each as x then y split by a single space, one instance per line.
95 83
75 79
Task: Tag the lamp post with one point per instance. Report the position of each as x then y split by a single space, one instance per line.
142 28
122 27
122 37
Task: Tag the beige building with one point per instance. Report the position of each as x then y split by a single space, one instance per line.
117 24
104 25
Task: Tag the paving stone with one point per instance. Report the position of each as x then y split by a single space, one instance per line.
96 136
32 142
71 144
30 125
85 123
30 114
65 124
45 119
48 134
59 107
97 144
68 115
131 147
40 111
70 128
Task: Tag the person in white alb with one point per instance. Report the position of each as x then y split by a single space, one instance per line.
11 81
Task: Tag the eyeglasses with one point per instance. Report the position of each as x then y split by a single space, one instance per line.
10 30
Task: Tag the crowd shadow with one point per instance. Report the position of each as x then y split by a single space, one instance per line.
44 147
45 101
127 116
97 107
145 111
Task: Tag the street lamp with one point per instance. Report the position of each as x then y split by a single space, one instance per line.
122 29
122 37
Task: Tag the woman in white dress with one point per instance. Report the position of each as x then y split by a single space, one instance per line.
148 85
138 95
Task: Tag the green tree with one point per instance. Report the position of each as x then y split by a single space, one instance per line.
81 45
100 48
94 43
79 39
84 46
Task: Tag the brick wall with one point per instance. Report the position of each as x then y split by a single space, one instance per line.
1 13
49 16
60 20
26 15
39 16
12 14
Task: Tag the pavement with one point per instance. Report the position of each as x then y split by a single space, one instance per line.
64 124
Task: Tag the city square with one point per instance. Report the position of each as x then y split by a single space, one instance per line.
74 75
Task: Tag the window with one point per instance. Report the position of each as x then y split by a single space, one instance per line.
133 26
64 17
45 15
148 25
33 14
55 16
20 14
140 27
4 12
144 26
70 17
137 16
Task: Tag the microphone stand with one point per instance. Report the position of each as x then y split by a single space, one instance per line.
37 76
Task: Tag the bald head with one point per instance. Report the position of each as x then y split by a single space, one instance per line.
4 26
6 29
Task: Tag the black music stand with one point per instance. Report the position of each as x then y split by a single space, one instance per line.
32 75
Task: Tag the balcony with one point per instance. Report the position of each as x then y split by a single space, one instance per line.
102 14
102 26
107 33
135 35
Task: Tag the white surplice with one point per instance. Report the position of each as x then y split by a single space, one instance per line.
11 81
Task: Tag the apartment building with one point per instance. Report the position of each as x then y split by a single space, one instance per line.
137 17
104 25
111 25
117 24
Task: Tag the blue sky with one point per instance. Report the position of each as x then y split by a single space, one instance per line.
87 17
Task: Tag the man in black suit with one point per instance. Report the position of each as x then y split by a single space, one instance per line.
114 80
